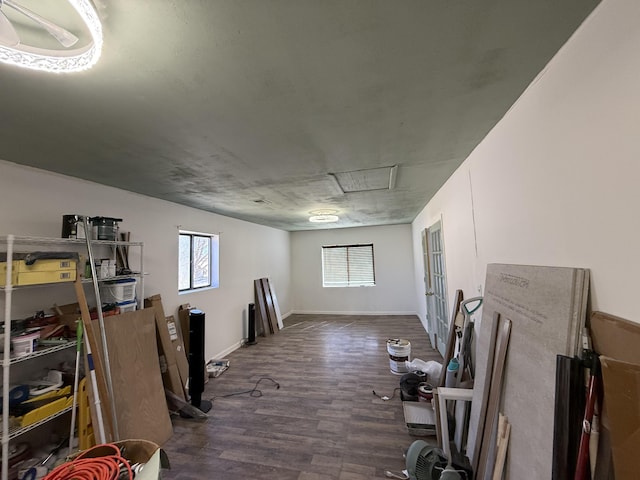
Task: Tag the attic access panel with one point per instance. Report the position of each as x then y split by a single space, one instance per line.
367 180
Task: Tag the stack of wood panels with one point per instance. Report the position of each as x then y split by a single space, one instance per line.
268 317
547 308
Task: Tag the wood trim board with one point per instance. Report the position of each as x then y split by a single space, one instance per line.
276 306
261 309
487 448
484 398
271 312
92 340
451 341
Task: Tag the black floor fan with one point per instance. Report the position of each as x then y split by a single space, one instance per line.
251 327
196 360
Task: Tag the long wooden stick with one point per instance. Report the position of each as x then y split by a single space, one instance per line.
504 431
485 388
95 363
451 340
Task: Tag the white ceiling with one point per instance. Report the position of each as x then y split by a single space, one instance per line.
246 107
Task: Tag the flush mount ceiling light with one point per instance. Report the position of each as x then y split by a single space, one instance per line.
323 211
324 218
14 52
323 215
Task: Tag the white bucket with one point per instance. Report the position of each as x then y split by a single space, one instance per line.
25 344
399 353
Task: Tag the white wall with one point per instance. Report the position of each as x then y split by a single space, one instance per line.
32 202
393 292
556 181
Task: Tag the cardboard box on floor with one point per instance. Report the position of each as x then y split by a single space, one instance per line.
148 453
178 348
171 377
616 340
183 320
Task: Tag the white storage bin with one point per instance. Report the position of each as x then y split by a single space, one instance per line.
118 291
127 306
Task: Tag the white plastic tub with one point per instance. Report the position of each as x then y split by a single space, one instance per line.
118 291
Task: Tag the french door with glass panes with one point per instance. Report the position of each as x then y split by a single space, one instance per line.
435 285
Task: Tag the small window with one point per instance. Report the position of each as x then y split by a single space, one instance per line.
197 261
348 266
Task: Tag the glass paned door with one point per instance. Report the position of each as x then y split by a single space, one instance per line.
437 309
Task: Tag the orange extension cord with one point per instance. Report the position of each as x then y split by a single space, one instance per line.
86 468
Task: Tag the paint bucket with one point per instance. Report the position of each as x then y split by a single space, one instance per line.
399 352
25 344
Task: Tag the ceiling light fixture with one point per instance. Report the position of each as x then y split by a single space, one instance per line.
56 61
323 211
324 218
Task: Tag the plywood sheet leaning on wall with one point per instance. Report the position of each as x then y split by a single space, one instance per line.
139 398
547 307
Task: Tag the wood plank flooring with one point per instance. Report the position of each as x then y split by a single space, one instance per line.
322 423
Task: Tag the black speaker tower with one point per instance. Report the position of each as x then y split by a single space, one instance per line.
196 360
252 324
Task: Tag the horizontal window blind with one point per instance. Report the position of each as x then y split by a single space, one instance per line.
348 266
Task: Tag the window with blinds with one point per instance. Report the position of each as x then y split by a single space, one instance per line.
348 266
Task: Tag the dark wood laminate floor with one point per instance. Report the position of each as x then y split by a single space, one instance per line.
322 423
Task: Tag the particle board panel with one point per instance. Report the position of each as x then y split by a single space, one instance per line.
139 398
547 308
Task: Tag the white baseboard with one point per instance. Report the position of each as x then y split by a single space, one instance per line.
323 312
227 351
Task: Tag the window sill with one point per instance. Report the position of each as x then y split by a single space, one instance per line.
195 290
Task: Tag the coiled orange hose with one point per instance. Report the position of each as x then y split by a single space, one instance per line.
85 467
